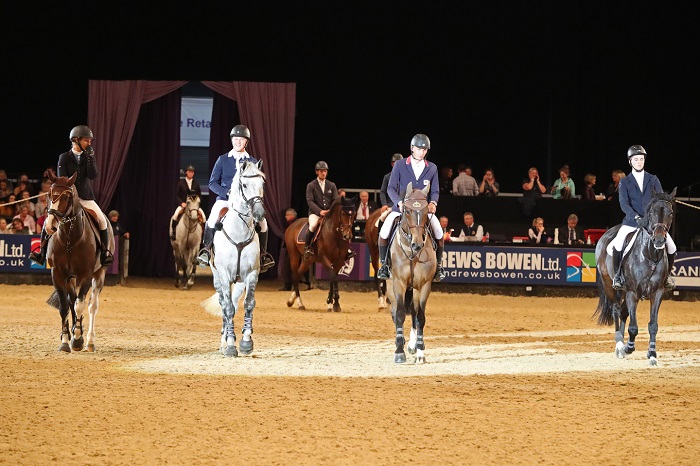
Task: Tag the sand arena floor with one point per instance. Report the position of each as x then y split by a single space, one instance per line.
508 380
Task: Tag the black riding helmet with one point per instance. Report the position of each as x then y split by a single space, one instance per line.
80 131
396 157
240 131
636 150
321 165
421 140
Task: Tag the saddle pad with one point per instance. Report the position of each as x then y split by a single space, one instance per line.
301 237
629 242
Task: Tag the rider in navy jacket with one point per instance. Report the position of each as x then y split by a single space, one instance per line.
635 192
403 173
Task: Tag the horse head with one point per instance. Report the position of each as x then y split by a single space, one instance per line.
64 203
343 214
658 218
414 217
250 184
193 203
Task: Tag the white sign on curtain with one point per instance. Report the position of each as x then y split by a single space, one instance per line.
195 121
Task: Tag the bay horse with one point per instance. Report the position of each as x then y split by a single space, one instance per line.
372 239
645 268
188 236
73 253
414 263
235 260
333 236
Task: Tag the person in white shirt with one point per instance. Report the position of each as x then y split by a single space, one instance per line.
364 206
471 231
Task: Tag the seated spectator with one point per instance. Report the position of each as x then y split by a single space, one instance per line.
612 192
446 231
25 201
588 190
23 184
27 220
532 187
571 233
341 192
116 227
40 222
364 206
563 187
5 189
471 231
3 225
489 186
465 184
445 180
18 227
3 177
537 232
8 207
41 206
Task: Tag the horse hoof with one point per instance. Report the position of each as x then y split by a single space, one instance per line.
400 358
420 360
290 303
65 348
411 350
230 352
77 344
302 308
90 348
246 347
652 361
336 308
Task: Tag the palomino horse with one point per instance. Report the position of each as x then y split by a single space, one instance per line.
235 262
372 239
413 267
188 236
333 236
645 268
73 253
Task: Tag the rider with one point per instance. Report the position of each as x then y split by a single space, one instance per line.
419 172
635 194
320 194
220 180
387 204
80 159
187 186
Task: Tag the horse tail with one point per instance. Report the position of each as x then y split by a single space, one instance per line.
54 301
604 311
212 305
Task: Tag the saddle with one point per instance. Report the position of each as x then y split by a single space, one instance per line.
301 236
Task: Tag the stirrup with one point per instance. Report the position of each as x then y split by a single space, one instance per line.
670 283
617 283
351 254
383 273
203 258
308 253
38 256
266 262
106 257
439 274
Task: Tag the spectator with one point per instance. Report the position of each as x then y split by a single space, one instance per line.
489 186
563 187
588 190
27 220
5 189
612 192
9 207
23 183
364 206
42 199
464 184
341 192
537 232
117 229
40 222
446 231
18 227
471 231
571 233
532 187
27 202
3 225
3 177
384 198
445 180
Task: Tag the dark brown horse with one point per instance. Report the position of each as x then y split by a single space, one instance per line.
333 235
73 253
372 239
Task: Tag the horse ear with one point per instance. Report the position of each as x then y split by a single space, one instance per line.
426 190
72 179
409 188
260 164
673 193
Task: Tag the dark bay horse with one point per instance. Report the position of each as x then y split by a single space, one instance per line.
73 253
333 236
372 239
414 262
188 236
645 268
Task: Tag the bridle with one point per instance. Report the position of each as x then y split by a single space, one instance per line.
413 206
345 216
653 229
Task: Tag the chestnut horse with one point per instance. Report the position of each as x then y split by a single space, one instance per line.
332 239
73 253
372 239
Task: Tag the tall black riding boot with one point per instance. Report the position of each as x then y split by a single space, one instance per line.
106 256
39 256
670 282
308 251
439 271
173 227
204 253
266 260
384 272
618 282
